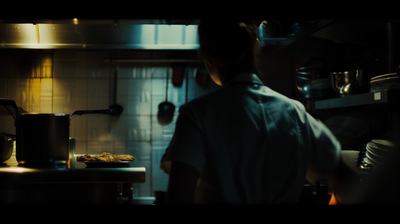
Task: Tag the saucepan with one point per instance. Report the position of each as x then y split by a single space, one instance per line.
43 139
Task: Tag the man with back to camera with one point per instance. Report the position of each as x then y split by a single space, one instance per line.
245 143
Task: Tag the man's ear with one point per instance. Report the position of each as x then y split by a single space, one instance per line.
208 61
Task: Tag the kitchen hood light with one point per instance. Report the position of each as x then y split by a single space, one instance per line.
75 35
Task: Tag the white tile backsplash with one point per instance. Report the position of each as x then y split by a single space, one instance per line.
29 94
118 126
80 146
120 147
78 128
139 96
46 95
69 95
98 94
70 64
81 80
98 127
96 67
161 72
139 128
98 147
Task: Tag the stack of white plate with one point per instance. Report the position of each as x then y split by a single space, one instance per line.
378 150
385 82
350 157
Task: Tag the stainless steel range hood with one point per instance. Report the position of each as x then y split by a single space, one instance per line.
99 34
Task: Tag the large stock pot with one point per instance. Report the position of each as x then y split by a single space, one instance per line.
42 140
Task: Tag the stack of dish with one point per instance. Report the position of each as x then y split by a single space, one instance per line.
385 82
377 150
351 157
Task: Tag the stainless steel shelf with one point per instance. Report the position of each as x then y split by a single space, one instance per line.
391 97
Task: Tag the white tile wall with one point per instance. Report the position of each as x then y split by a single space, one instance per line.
65 81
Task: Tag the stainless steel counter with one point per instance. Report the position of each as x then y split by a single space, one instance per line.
79 185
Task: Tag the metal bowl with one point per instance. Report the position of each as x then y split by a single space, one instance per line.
345 83
304 85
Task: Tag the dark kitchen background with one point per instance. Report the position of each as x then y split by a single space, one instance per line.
64 71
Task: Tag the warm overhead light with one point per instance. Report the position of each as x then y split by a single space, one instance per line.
75 20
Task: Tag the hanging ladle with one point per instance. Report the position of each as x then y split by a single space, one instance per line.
116 109
186 95
166 109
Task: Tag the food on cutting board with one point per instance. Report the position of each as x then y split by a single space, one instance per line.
105 157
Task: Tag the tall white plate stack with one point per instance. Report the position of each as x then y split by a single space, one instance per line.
351 157
378 151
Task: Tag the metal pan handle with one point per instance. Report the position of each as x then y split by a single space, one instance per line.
80 112
7 102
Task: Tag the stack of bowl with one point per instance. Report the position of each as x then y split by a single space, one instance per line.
378 150
351 157
314 82
304 77
385 82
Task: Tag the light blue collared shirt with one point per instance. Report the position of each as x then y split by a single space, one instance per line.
251 144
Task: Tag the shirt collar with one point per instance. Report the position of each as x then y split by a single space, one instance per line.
245 78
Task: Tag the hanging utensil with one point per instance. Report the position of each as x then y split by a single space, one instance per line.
166 109
186 95
178 71
116 109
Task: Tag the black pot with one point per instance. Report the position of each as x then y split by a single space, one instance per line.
42 140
